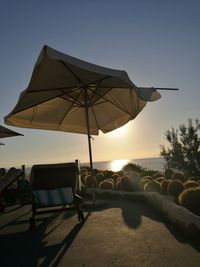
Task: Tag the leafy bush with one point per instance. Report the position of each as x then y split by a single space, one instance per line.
190 183
174 188
190 199
133 167
183 152
152 186
106 184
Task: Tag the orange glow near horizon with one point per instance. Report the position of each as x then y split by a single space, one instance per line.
120 132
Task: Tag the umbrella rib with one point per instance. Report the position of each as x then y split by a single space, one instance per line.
53 89
111 102
95 118
72 104
33 105
97 87
67 67
74 98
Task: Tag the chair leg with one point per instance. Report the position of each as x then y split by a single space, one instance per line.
78 203
1 204
32 218
80 213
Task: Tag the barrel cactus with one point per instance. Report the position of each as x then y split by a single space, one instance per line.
190 199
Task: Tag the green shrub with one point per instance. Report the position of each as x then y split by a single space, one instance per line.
152 186
190 183
133 167
90 181
106 184
190 199
174 188
179 176
168 173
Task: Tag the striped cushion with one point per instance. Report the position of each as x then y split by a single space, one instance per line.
54 197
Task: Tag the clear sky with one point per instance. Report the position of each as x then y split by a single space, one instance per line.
156 41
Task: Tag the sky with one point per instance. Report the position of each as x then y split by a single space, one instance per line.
156 41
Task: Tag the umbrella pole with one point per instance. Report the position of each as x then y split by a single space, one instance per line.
89 140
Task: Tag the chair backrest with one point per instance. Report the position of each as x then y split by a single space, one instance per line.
9 178
52 176
2 171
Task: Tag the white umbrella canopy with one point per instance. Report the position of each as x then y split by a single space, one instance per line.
72 95
5 132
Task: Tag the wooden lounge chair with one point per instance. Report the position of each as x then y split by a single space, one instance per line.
6 180
54 185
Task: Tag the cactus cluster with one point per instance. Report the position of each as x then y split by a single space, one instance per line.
185 190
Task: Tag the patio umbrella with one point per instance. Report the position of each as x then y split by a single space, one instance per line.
5 132
72 95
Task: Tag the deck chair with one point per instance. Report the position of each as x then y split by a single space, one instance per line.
54 188
7 180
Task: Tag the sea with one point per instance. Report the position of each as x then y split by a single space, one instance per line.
157 164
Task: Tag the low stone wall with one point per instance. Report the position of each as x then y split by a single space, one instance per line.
184 220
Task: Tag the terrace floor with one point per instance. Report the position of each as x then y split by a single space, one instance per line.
122 234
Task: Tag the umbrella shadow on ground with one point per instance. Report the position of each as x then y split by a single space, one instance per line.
133 212
139 210
21 247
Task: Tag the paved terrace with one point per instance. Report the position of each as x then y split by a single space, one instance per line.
122 234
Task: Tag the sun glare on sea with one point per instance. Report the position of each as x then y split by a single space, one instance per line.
117 165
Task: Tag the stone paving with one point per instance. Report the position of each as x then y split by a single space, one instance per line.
122 234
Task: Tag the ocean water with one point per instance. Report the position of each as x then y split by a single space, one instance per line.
156 164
